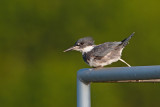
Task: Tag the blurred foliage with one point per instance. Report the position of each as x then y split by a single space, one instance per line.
34 72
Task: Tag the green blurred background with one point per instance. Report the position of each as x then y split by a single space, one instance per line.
34 72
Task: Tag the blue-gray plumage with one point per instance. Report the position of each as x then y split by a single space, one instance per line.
100 55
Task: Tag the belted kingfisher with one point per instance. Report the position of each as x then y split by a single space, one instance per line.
100 55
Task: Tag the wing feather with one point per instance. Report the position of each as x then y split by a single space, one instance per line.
105 48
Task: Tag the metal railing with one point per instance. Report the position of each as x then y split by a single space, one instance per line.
117 74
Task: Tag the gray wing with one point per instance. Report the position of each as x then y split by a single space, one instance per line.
104 49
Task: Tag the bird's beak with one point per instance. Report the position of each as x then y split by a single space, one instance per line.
69 49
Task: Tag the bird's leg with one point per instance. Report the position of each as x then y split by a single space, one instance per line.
124 62
128 66
99 67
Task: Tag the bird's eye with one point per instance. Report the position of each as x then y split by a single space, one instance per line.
81 43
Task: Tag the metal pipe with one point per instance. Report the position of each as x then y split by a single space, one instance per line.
83 94
85 76
119 73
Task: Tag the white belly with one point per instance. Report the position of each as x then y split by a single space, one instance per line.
106 60
97 63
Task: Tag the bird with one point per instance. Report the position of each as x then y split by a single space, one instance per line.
98 56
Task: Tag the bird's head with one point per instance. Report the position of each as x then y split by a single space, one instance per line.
85 44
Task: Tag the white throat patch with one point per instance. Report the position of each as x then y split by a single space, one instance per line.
87 49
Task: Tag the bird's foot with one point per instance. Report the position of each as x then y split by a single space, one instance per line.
99 67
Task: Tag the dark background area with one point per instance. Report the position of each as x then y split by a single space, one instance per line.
34 71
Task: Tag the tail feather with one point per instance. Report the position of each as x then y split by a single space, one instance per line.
125 41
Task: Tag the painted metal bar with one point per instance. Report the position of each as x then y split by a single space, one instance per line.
86 76
83 94
119 73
